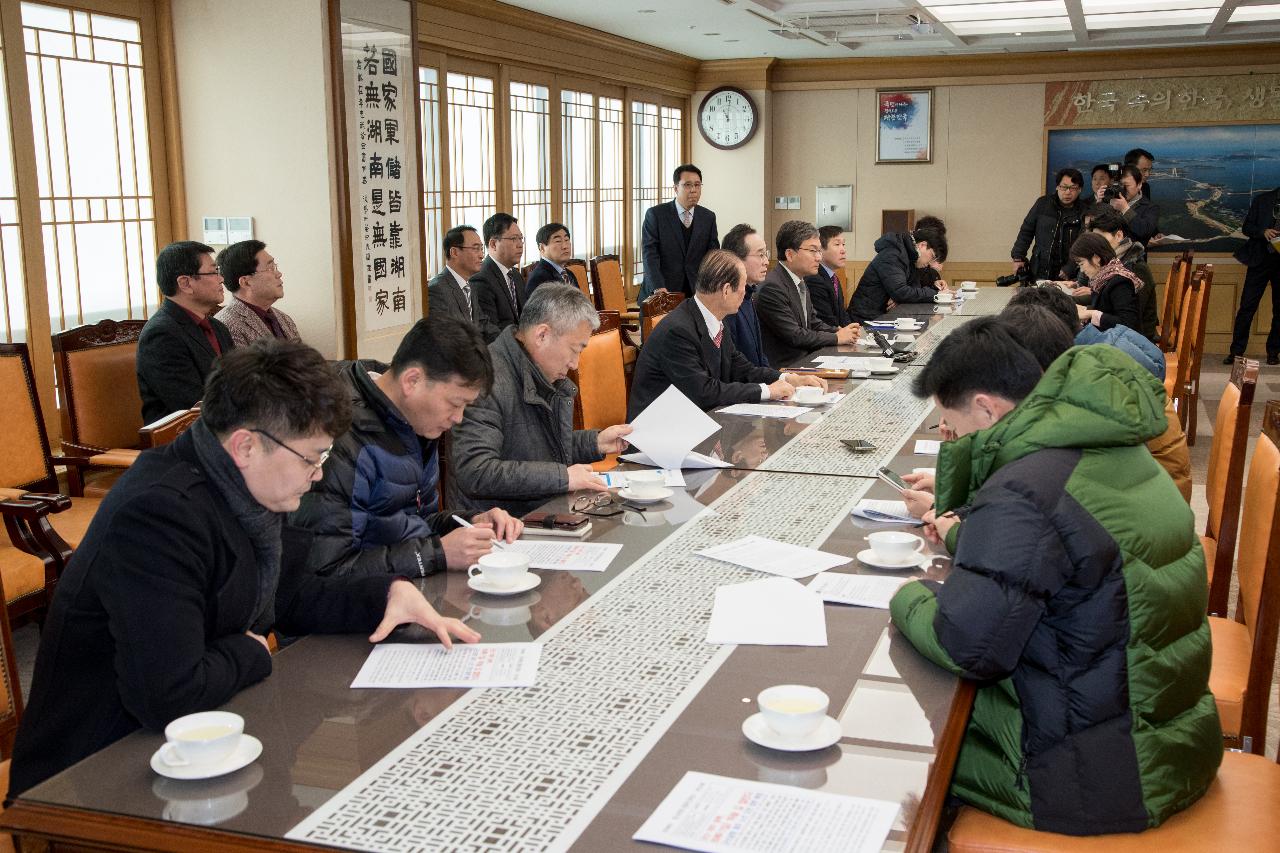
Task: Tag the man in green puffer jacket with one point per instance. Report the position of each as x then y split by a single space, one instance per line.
1077 593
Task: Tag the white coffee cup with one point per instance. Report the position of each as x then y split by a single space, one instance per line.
894 545
943 297
904 323
645 484
807 394
968 285
204 738
793 710
501 569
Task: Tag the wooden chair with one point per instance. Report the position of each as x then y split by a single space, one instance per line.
655 308
101 405
1175 286
1183 383
578 267
1244 648
1225 480
167 428
10 708
611 295
600 377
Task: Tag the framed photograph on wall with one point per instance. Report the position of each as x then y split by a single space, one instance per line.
904 125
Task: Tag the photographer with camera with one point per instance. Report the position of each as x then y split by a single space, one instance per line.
1141 216
1053 223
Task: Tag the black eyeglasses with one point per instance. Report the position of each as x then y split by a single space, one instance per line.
600 504
198 274
312 462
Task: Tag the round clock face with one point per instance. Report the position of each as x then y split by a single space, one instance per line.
727 118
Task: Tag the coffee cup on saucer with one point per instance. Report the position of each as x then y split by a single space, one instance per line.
204 738
808 394
793 710
501 569
894 546
968 285
904 323
646 484
942 297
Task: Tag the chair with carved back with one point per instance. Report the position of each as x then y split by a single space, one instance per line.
1224 480
602 382
1178 382
578 267
97 378
655 308
611 294
168 428
1196 326
1175 287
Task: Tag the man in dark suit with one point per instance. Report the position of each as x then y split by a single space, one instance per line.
677 235
690 350
450 292
1262 262
164 608
825 291
791 328
498 285
179 343
556 248
745 242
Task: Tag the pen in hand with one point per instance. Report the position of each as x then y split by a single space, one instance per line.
496 543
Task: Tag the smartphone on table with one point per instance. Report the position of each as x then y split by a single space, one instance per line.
858 445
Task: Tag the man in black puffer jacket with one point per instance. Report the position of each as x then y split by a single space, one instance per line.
891 274
1053 223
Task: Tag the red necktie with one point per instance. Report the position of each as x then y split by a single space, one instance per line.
835 284
719 337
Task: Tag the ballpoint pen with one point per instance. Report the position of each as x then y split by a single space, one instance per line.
497 543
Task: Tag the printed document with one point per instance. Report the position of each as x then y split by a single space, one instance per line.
885 512
927 447
692 460
862 590
568 556
764 410
774 557
669 428
432 665
768 612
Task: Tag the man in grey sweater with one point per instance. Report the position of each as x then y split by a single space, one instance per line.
516 447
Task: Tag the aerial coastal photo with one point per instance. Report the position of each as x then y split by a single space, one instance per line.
1202 180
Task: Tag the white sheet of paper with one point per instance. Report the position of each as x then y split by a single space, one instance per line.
927 447
774 557
768 612
853 362
568 556
888 512
886 712
618 479
717 814
670 427
692 461
431 665
764 410
862 590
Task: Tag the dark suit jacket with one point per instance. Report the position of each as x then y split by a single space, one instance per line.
679 352
1257 249
790 330
147 623
829 303
744 325
447 298
668 262
489 288
541 273
173 359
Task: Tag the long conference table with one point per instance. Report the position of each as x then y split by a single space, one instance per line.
629 696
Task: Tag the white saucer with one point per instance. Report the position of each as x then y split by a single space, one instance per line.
868 556
245 753
661 495
757 731
479 584
913 328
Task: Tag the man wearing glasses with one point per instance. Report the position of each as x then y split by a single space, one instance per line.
254 280
180 341
791 329
450 292
743 324
676 237
891 276
498 285
1053 223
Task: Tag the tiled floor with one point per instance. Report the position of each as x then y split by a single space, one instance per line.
1213 379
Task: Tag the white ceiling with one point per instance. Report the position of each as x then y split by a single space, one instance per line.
814 29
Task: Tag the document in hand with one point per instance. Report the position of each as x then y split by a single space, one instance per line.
774 557
769 612
717 814
669 428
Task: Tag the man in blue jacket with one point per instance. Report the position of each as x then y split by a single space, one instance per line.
745 242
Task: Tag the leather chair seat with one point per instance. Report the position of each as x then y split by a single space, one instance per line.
98 483
1232 650
22 573
115 458
1232 815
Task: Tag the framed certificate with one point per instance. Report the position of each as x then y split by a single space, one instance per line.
904 125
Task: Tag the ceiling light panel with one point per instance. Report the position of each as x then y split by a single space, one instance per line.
1270 12
1104 7
998 11
1170 18
1009 26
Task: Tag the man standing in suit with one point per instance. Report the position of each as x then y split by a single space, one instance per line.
255 282
690 350
677 236
498 285
450 292
825 290
179 343
791 329
555 248
745 242
1261 226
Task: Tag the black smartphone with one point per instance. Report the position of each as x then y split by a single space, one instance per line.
893 479
858 445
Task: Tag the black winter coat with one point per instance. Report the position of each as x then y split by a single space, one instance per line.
890 275
1054 228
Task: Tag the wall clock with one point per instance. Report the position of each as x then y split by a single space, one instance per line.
728 118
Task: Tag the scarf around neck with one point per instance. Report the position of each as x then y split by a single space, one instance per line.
1113 268
261 524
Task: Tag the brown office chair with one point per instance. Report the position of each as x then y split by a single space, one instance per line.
600 377
168 428
100 400
578 267
1182 379
1195 349
1225 480
1175 286
611 295
10 708
1244 648
655 308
